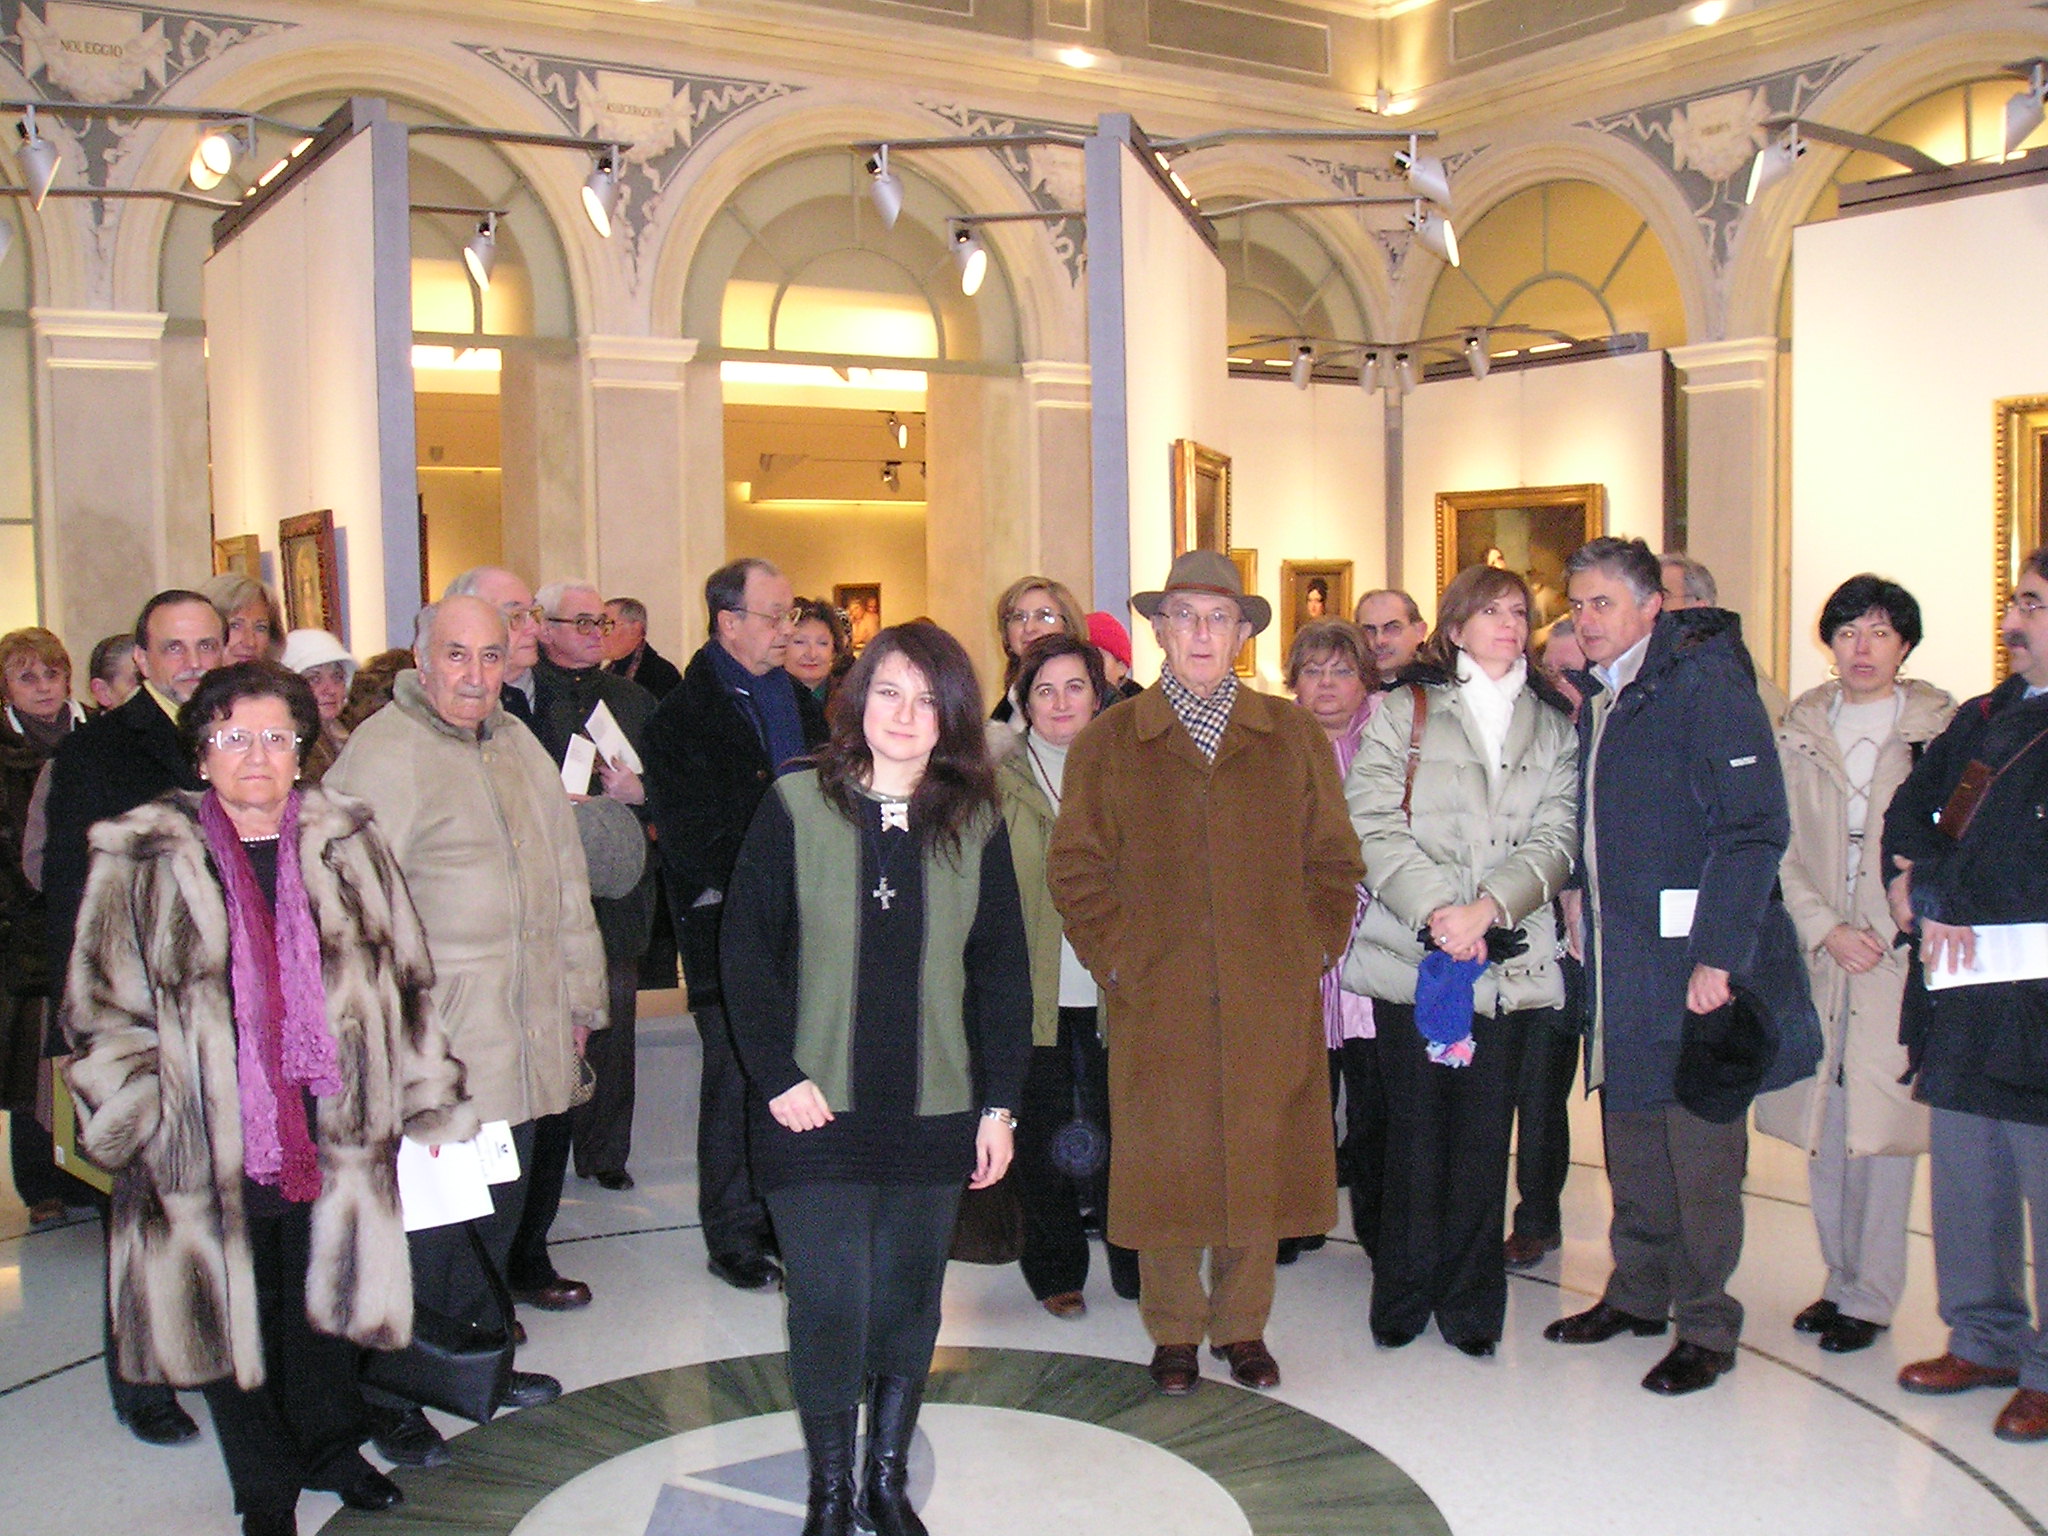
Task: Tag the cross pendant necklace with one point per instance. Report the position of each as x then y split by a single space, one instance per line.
895 815
884 892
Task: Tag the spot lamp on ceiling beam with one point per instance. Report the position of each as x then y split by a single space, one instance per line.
601 191
215 155
480 255
1303 366
1774 161
892 475
1370 363
886 189
1425 173
1404 371
899 430
2023 114
1476 357
1435 233
972 259
38 157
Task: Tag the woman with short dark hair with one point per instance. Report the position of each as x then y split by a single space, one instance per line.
879 989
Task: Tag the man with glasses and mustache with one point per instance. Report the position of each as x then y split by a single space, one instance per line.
505 591
1968 834
734 724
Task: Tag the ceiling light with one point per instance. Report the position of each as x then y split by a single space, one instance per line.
2024 112
1400 106
1707 12
38 157
1369 370
886 188
481 254
973 260
1303 366
1404 371
1436 234
892 475
1076 58
1425 173
1475 354
215 155
1774 160
899 429
601 192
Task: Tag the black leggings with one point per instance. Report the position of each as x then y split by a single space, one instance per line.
863 1266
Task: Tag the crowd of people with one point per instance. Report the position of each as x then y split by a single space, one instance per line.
1174 963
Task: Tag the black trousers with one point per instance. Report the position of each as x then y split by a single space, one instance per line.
602 1129
444 1270
526 1263
863 1266
728 1201
1445 1194
302 1427
1548 1066
1055 1242
1362 1149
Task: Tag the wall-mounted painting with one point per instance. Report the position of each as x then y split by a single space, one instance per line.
1247 563
1201 498
1530 530
2021 505
306 571
1311 590
861 602
239 554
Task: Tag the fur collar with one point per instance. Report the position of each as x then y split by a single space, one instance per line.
324 817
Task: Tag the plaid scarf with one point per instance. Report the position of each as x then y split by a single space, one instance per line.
1203 718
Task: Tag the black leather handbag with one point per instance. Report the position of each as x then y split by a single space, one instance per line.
459 1367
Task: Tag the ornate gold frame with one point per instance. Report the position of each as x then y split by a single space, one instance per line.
2020 439
1194 467
1247 563
1590 500
1295 576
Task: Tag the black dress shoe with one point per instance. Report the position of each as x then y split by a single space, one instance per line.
404 1437
361 1486
1816 1318
1599 1323
747 1271
270 1522
160 1421
1391 1338
1846 1334
558 1295
616 1180
1478 1349
1689 1368
1288 1251
529 1389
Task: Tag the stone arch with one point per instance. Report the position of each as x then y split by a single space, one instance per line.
1865 96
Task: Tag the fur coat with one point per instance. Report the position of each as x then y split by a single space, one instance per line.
147 1009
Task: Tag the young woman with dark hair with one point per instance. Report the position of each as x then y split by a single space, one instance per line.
879 990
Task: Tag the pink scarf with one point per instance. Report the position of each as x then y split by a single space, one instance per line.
281 1035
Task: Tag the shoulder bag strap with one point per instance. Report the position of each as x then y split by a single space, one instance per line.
1415 728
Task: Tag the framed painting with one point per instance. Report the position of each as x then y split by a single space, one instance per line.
1247 563
1530 530
861 602
1201 498
1311 590
238 554
306 571
2021 505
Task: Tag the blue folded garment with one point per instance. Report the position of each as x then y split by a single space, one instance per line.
1443 997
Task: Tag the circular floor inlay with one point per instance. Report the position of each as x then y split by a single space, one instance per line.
1011 1441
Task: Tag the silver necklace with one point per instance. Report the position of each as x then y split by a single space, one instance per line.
895 816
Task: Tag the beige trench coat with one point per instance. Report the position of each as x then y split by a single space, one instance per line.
487 841
1859 1015
1208 900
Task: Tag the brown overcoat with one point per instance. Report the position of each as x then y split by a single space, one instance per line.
1208 900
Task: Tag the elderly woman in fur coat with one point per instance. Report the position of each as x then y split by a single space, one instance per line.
248 1001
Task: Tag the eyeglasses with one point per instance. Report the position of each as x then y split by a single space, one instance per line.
1336 672
516 616
588 623
2026 603
781 618
1050 616
238 740
1187 620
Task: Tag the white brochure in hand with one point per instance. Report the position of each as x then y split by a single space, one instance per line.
611 741
577 765
439 1186
500 1156
2005 952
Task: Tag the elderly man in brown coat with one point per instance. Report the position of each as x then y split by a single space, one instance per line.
1207 874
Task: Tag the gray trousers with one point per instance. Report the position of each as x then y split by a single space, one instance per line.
1859 1210
1983 1175
1677 1228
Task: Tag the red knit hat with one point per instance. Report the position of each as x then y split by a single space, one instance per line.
1110 637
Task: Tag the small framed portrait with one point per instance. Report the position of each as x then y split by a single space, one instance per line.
2020 508
238 554
1201 498
1311 590
1247 563
1530 530
861 602
306 571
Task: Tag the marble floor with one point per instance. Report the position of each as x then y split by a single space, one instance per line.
677 1420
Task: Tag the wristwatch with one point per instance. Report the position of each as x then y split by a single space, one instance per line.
994 1113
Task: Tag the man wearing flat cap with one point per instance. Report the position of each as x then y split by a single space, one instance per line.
1207 873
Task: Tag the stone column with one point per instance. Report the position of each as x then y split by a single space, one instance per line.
1734 522
541 435
1061 513
980 527
638 455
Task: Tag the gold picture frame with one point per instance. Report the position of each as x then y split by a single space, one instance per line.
238 554
307 573
1247 563
1201 498
1532 529
2020 438
1311 589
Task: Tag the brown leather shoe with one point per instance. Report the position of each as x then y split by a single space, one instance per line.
1067 1304
558 1295
1951 1373
1176 1369
2025 1418
1521 1251
1251 1363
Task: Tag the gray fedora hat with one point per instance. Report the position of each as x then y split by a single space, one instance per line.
1203 570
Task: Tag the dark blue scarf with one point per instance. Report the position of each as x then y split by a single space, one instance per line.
769 703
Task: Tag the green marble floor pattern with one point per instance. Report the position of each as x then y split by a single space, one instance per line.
1291 1474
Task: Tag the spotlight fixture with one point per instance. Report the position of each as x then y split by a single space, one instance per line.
1303 365
481 254
892 475
886 189
38 157
601 191
1369 364
1776 158
215 155
1475 354
1404 371
1435 233
972 259
1425 173
899 429
2024 112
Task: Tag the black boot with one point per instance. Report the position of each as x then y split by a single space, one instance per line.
828 1449
885 1509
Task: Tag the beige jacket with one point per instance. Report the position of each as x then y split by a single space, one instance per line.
487 842
1859 1015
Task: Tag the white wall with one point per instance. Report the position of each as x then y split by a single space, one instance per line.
1907 325
1597 421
